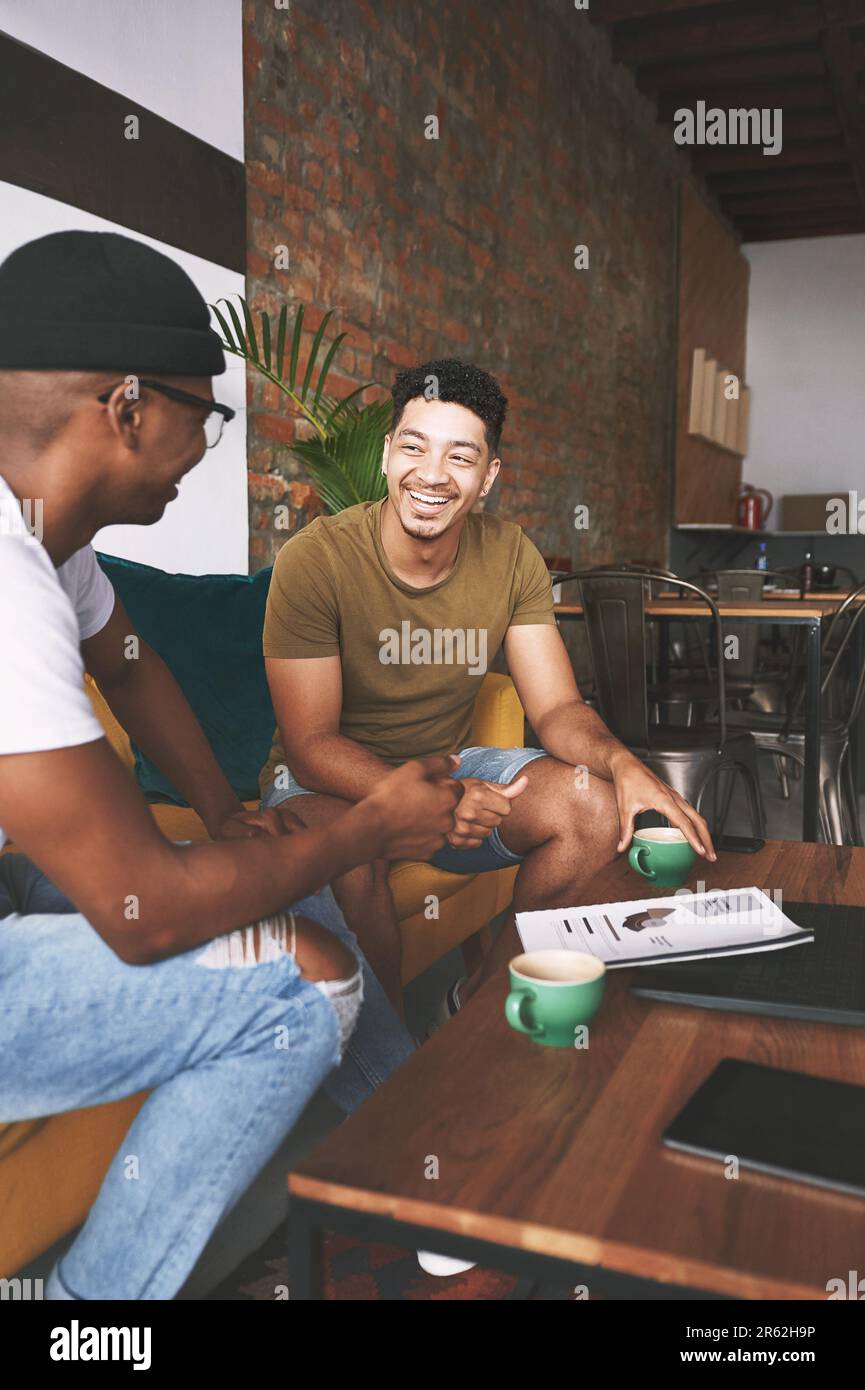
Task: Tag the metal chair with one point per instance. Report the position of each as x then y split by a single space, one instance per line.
783 736
690 759
688 689
749 678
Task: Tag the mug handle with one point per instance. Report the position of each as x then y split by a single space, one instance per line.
514 1008
634 860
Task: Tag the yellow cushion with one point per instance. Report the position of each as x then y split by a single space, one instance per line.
480 898
114 732
49 1182
412 881
498 719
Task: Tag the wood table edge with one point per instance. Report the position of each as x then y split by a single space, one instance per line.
663 1267
666 608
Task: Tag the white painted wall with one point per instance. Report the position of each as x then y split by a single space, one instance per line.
182 59
806 365
206 530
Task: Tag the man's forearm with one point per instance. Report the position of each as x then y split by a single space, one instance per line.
575 734
156 714
203 891
336 766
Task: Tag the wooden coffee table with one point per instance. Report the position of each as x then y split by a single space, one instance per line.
546 1161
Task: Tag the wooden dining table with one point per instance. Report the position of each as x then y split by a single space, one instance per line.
785 611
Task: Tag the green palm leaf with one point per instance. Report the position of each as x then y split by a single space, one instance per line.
344 457
280 340
250 330
295 347
313 352
346 465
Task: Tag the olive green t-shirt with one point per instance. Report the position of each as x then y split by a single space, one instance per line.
412 659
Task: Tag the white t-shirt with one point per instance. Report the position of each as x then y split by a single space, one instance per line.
45 613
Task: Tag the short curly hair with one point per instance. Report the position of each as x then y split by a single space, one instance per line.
460 382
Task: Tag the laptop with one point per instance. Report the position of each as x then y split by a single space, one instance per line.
822 981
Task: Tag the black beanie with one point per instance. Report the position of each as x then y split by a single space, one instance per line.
97 301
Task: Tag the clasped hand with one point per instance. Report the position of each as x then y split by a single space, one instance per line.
482 807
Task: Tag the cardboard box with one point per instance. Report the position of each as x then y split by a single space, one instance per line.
807 511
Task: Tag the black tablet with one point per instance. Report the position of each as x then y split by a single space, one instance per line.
822 981
781 1122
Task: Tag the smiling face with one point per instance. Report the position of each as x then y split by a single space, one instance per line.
166 439
437 463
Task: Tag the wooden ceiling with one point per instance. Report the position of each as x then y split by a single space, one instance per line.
805 56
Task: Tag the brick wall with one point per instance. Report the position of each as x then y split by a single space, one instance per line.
465 245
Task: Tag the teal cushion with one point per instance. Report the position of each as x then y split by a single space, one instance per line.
207 629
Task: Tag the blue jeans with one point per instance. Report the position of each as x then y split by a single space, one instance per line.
231 1056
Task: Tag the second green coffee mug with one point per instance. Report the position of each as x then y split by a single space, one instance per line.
552 993
662 854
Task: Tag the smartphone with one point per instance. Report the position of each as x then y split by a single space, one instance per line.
740 844
782 1122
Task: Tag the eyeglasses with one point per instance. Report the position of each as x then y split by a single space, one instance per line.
217 415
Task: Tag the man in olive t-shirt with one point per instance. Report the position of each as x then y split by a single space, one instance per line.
381 623
412 660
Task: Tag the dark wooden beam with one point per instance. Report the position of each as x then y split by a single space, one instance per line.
829 176
735 71
778 230
803 221
790 231
841 63
811 125
843 14
816 220
703 36
724 158
62 135
805 96
792 200
617 11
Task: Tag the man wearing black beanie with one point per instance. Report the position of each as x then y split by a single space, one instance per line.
126 962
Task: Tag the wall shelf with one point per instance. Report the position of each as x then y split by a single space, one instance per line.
695 527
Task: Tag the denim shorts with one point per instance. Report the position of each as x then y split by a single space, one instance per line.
501 765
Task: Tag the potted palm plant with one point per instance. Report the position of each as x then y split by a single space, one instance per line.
343 453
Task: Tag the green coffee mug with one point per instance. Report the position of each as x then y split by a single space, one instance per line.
552 993
662 854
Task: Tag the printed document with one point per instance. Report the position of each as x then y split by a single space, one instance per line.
684 926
